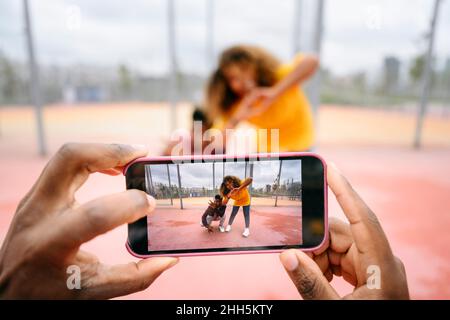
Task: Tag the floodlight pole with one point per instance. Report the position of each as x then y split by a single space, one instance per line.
149 181
170 186
179 187
426 78
317 47
152 187
214 176
210 32
278 183
251 176
173 88
297 26
35 90
245 174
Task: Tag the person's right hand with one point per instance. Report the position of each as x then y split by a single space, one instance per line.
352 251
42 248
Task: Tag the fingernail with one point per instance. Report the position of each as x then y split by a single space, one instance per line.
335 168
289 260
173 262
151 203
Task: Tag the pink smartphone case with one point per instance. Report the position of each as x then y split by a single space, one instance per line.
222 157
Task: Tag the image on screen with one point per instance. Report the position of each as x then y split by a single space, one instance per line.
215 205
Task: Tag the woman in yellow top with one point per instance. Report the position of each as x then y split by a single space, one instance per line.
233 188
252 85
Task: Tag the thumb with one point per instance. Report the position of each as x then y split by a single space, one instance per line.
307 276
120 280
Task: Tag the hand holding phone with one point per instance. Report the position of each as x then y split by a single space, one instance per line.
41 258
358 251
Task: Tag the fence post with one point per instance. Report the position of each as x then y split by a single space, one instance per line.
179 186
173 89
426 77
214 177
278 183
170 185
35 89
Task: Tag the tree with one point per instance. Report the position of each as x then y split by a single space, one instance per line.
125 81
359 81
9 81
417 68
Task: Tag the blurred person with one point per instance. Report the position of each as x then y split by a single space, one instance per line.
233 188
214 212
353 251
49 226
251 85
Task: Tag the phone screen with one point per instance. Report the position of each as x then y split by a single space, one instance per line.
224 205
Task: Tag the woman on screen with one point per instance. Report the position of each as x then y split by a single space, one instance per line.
233 188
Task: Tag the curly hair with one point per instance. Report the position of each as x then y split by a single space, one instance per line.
234 180
219 96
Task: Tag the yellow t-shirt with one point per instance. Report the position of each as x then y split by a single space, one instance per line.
290 113
241 198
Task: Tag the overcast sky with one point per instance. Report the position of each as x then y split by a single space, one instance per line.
198 175
357 34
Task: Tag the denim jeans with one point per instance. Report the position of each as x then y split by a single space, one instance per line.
246 215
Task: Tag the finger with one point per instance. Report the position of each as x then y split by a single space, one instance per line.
328 275
307 276
367 232
352 268
120 280
336 270
72 164
30 192
99 216
341 237
349 277
111 172
322 261
334 258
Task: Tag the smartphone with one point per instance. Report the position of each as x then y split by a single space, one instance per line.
222 204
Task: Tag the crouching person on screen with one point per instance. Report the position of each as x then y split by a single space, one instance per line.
214 212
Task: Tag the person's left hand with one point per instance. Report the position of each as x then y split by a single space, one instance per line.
42 247
358 251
